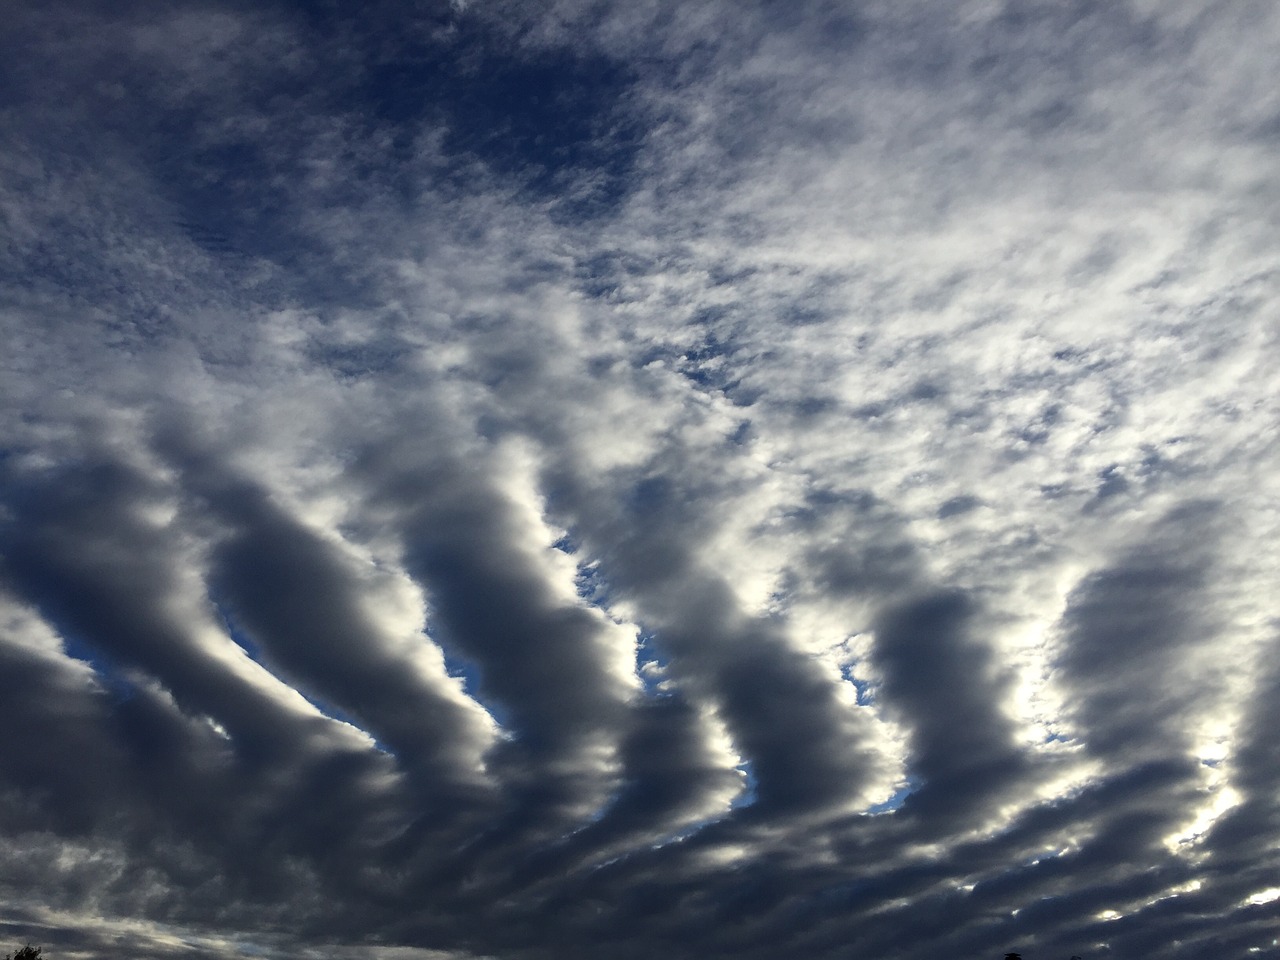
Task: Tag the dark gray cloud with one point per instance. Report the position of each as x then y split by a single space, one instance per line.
495 479
1134 631
943 682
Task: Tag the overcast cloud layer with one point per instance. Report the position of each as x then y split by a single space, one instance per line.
576 479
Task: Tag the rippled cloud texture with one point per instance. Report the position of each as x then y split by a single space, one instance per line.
644 480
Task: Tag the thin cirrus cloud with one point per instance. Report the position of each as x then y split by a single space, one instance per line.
523 480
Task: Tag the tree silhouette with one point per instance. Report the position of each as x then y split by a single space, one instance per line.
26 953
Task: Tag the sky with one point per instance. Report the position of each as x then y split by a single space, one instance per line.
561 479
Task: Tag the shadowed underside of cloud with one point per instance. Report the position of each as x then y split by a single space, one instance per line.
498 479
